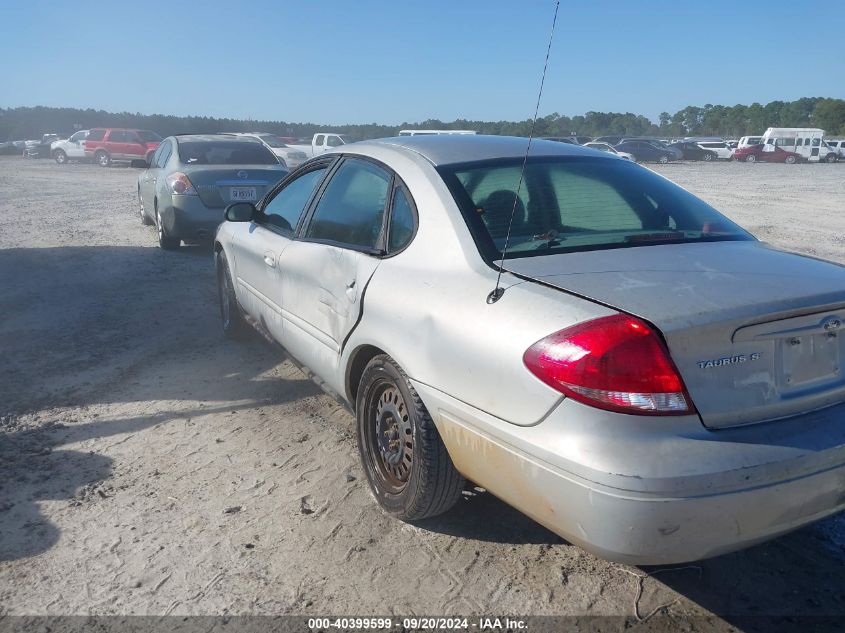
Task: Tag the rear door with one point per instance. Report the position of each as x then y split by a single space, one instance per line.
325 273
117 144
152 174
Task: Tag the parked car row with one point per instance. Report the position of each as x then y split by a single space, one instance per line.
787 145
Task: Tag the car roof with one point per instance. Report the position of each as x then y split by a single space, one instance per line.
208 138
448 149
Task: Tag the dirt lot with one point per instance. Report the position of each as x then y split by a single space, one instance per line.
147 466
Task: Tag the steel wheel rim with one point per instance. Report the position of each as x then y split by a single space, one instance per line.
159 227
103 160
390 437
141 205
60 157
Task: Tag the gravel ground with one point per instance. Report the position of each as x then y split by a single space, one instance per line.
148 466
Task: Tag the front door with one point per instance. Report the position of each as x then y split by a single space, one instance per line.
325 273
259 245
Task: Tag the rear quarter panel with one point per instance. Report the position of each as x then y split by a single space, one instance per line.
426 307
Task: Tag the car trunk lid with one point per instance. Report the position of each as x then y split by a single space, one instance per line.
757 334
220 185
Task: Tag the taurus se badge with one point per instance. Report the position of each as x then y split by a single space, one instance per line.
728 360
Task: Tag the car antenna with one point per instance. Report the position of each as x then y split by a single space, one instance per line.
498 291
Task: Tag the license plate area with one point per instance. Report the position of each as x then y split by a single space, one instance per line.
240 194
808 361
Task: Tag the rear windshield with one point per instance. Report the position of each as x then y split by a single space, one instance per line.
225 153
149 137
573 204
272 141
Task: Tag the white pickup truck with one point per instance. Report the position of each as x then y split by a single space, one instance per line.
321 142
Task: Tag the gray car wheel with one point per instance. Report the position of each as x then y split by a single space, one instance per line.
404 459
60 156
751 158
790 160
102 158
663 159
231 315
708 156
164 240
831 158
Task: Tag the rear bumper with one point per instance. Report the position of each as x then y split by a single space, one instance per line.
644 491
189 219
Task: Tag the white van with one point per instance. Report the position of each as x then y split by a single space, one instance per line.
433 132
748 141
807 141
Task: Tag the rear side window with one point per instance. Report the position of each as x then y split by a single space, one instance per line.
225 153
96 135
285 208
149 137
401 227
567 204
351 210
117 136
164 153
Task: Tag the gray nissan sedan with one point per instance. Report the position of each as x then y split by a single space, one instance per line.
191 179
647 379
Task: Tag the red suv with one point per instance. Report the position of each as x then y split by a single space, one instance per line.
113 143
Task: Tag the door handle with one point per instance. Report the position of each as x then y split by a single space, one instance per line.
270 259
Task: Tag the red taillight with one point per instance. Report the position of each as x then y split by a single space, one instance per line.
616 363
180 184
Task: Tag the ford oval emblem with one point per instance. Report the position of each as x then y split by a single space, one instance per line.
242 175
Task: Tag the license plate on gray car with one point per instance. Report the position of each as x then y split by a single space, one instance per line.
809 359
242 193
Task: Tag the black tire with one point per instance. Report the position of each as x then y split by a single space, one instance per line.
831 158
60 156
102 158
404 459
165 241
751 158
145 219
231 315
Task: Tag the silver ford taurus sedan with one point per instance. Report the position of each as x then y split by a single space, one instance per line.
192 178
647 380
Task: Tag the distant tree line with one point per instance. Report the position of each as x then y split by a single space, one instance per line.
715 120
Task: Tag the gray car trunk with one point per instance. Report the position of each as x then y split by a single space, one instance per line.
216 184
757 334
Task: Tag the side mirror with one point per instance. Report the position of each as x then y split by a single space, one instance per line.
240 212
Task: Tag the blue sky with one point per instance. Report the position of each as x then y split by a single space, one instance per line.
333 61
